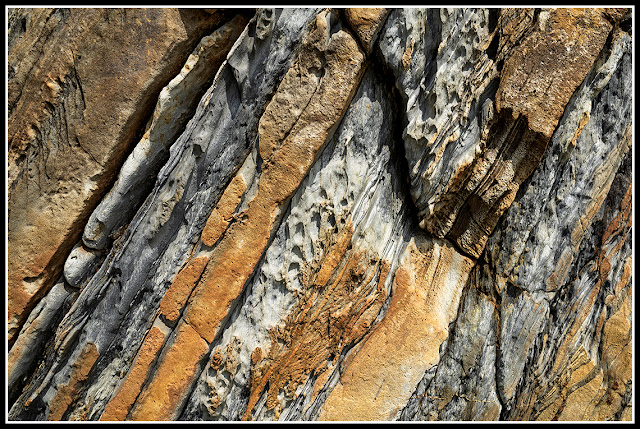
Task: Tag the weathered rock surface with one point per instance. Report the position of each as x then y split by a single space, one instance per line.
484 90
540 290
81 82
320 214
174 108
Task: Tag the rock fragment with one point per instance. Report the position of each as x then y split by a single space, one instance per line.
366 23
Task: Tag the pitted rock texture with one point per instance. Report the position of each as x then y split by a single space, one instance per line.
361 214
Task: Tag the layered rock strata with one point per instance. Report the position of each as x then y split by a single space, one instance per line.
320 214
81 82
545 289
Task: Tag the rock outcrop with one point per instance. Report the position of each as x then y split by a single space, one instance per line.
365 214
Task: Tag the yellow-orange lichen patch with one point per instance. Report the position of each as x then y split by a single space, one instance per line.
181 287
79 372
119 406
427 286
176 371
222 214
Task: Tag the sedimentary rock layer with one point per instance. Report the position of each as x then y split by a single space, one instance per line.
484 90
365 214
81 82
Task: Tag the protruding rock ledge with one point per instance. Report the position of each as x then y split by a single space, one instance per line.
477 128
366 23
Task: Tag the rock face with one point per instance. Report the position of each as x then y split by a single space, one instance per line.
320 214
81 84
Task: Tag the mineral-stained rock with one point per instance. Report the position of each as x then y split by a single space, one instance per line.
359 214
281 138
376 384
80 88
175 106
366 23
35 332
119 407
323 280
549 272
483 94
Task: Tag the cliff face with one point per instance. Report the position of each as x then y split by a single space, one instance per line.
320 214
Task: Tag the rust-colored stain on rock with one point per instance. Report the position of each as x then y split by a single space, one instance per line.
286 160
119 406
77 105
176 371
175 298
383 303
384 373
221 216
66 393
541 74
336 310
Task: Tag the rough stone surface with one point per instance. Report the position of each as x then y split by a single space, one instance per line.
174 108
481 103
427 286
545 277
361 214
366 23
81 82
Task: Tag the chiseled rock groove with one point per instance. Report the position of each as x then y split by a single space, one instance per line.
333 214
